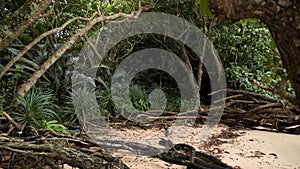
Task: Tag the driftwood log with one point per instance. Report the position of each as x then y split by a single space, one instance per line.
42 152
181 154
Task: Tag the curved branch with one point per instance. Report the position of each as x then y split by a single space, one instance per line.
35 41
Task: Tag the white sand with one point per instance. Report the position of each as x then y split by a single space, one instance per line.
253 150
260 149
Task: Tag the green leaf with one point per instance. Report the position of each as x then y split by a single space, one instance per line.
13 50
55 126
273 44
204 9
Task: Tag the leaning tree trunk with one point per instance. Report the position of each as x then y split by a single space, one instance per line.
283 20
17 22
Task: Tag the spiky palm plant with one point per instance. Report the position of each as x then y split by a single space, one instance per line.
36 106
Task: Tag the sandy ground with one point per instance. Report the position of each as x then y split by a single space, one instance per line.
261 149
251 149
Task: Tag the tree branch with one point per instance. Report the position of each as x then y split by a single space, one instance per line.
280 90
7 116
35 41
67 45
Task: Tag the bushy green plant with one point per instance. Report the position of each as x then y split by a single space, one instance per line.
36 106
85 103
139 97
104 98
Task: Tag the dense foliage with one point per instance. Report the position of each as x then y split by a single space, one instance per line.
246 49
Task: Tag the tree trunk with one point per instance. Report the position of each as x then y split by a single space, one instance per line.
282 17
17 22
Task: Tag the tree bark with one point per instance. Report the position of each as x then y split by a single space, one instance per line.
282 17
17 22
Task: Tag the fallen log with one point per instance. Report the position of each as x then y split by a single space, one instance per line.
181 154
48 153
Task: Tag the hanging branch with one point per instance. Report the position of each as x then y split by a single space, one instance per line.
67 45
